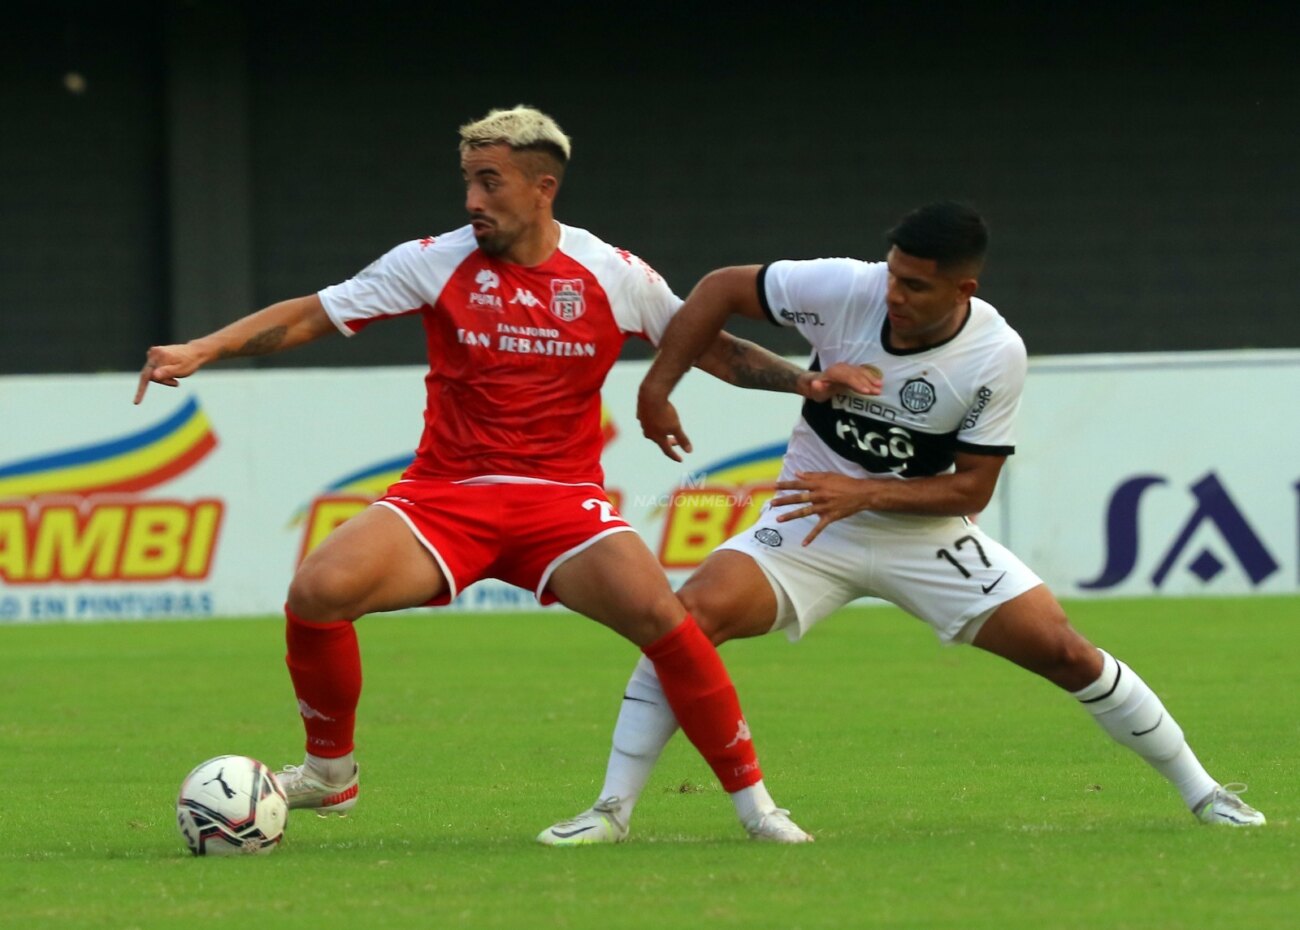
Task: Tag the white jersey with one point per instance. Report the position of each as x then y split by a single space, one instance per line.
959 396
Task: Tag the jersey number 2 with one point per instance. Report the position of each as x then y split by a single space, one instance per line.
606 508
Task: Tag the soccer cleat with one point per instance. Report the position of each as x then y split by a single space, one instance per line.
776 827
306 791
597 824
1222 806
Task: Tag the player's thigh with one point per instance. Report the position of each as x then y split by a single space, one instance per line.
617 581
949 574
372 562
1033 631
730 597
805 584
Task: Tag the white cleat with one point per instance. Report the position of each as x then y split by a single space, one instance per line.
305 790
597 824
1222 806
776 827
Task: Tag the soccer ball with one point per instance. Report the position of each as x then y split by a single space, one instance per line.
230 805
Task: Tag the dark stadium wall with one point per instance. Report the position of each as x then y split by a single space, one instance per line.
1138 175
83 263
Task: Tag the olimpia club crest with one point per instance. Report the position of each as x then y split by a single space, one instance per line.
566 299
917 395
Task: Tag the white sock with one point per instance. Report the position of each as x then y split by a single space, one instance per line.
331 771
645 724
1130 712
752 803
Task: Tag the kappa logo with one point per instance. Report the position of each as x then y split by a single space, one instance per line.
1214 508
636 261
525 297
487 280
310 713
768 536
566 298
742 734
917 395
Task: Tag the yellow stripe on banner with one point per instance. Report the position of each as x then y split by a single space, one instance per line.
375 485
111 471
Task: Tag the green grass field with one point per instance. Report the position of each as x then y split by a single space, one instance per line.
945 788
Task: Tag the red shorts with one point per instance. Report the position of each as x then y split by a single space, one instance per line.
518 533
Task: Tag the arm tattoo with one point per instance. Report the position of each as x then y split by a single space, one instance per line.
754 367
264 343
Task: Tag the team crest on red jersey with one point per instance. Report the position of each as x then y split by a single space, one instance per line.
566 299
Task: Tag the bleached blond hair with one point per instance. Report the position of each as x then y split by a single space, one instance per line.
523 128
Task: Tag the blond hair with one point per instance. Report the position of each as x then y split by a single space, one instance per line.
524 129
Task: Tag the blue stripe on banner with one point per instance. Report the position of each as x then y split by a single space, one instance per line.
776 450
103 450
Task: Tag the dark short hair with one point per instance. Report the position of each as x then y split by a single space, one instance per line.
948 232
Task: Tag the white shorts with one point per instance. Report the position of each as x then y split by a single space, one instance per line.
945 571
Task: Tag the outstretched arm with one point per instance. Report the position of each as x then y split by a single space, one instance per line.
748 365
280 326
696 325
695 337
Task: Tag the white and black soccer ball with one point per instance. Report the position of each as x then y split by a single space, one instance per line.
231 805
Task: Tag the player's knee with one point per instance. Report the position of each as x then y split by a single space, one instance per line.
697 605
651 617
321 594
1073 663
712 612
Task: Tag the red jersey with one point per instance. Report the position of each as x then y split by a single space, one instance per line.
517 356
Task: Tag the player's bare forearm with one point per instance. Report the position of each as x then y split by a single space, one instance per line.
747 365
263 343
831 496
281 326
956 495
273 329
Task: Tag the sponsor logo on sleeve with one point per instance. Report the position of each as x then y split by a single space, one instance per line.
982 398
639 263
806 317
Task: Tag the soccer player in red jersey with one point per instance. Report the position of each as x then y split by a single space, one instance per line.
523 319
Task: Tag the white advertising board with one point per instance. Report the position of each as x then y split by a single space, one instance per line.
1135 476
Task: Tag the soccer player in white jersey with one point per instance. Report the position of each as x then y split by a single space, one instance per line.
876 491
523 319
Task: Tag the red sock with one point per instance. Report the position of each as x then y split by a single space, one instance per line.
325 665
700 692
